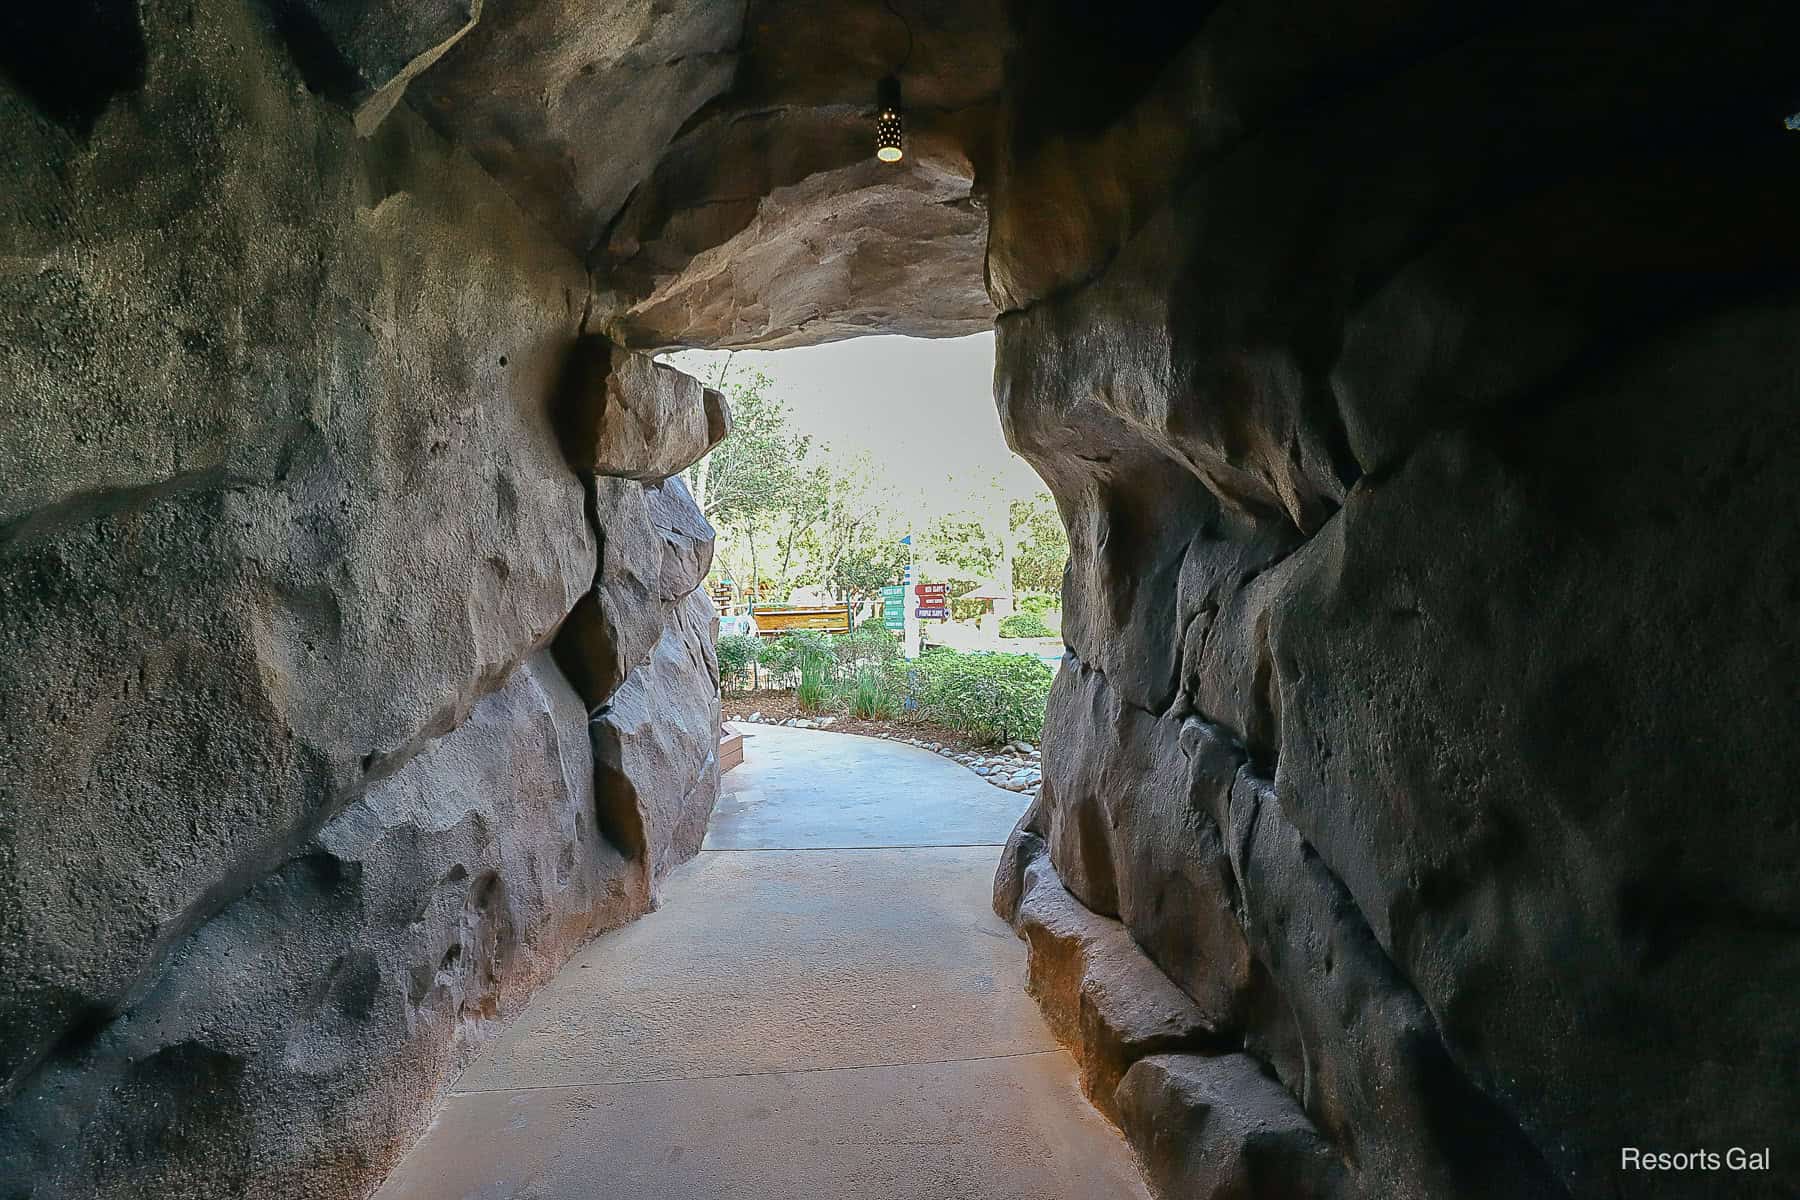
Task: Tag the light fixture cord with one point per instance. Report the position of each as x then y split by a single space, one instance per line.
906 25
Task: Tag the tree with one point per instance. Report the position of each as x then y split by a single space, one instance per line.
865 567
960 543
1040 544
855 542
752 478
754 470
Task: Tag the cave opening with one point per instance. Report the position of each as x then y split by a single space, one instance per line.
1415 389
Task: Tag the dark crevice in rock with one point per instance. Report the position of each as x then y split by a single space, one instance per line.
315 54
72 58
1263 736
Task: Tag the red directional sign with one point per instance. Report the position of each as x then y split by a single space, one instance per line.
931 591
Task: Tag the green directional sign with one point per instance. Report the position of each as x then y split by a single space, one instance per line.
893 607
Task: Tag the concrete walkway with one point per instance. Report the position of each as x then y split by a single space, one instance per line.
824 1008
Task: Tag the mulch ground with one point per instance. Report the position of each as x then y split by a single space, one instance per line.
779 706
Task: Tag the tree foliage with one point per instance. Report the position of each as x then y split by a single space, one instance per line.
1024 625
962 543
754 478
737 653
789 514
1040 545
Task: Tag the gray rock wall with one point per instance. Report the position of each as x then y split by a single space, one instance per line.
295 805
1416 381
1418 386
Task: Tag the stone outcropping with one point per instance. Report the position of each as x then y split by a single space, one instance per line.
295 803
656 744
712 161
1418 389
627 415
298 1035
1104 999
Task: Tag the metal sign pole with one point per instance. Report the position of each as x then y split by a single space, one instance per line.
910 630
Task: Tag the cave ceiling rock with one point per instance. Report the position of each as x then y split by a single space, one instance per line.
365 55
711 160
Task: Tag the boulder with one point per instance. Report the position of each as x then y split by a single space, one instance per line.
616 622
1221 1127
655 548
656 745
1103 998
627 415
1132 827
687 537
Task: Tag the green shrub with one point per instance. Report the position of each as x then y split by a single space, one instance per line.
781 657
1024 625
1038 604
872 695
869 645
818 670
737 653
994 697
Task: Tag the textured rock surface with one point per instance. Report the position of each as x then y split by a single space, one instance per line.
627 415
713 160
655 548
1220 1127
687 537
364 54
656 744
282 504
296 1040
1430 495
1416 381
1103 998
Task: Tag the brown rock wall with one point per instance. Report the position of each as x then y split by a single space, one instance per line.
1417 429
306 511
294 807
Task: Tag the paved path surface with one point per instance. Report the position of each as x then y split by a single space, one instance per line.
824 1008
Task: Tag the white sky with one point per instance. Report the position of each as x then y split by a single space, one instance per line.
922 409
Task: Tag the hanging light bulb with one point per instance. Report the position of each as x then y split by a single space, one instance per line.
889 126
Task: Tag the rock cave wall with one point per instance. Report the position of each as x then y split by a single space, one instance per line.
1418 384
1416 381
311 491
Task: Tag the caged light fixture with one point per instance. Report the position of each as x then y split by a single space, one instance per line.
890 119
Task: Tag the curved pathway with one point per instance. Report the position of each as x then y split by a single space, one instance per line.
823 1008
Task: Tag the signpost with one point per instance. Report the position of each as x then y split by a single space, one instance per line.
893 607
934 601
